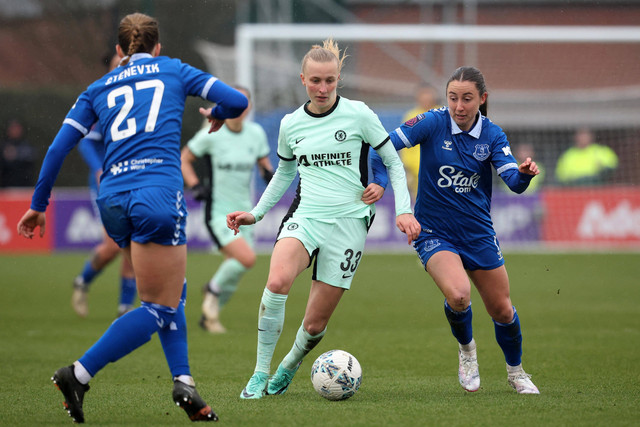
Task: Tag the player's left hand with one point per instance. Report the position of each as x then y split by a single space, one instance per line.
408 224
28 223
372 193
529 167
216 124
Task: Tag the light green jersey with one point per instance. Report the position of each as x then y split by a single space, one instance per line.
331 152
232 157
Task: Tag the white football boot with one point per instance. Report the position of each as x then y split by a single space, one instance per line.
520 380
468 374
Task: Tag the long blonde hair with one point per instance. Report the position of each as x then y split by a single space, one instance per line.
137 33
329 51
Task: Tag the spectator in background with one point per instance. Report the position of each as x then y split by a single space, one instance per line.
17 157
586 163
426 99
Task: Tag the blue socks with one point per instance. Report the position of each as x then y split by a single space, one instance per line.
128 290
174 340
460 322
88 273
509 337
135 328
125 334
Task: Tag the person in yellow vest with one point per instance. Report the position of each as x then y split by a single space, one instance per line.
585 163
426 99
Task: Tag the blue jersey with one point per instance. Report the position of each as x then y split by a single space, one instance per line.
138 108
455 176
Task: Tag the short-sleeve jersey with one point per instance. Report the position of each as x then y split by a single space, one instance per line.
232 157
332 154
455 179
144 98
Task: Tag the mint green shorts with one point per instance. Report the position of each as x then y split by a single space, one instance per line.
336 246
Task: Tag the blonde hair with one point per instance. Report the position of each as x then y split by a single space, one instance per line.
137 33
329 51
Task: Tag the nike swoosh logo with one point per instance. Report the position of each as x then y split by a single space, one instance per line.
262 330
246 395
300 139
346 276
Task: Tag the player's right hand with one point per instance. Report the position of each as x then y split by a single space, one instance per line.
372 193
408 224
238 218
28 223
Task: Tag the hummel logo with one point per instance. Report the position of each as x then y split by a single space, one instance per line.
300 139
447 145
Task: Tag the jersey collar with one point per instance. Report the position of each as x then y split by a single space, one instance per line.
474 132
141 55
326 113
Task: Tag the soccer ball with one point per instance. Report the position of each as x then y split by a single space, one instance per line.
336 375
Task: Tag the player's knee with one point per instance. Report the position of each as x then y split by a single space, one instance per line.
314 327
104 254
248 260
278 285
459 301
502 313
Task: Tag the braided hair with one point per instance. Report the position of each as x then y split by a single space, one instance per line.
137 33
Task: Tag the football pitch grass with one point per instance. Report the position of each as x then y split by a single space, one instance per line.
579 314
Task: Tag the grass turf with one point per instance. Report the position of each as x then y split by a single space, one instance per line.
579 315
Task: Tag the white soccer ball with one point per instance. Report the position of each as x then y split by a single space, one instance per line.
336 375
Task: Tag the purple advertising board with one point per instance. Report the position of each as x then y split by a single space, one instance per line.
77 225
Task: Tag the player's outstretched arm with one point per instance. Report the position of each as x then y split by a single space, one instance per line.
238 218
409 225
29 221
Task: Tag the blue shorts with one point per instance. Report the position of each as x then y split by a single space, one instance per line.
143 215
481 254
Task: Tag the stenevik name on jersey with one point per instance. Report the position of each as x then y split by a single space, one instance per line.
133 70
